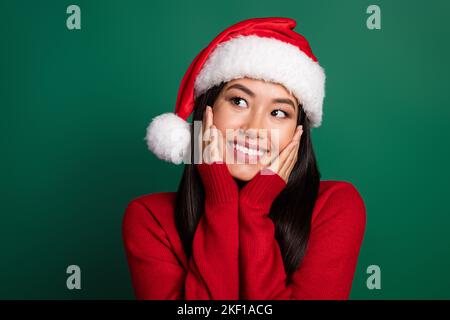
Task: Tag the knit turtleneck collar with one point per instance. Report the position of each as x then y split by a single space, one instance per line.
240 183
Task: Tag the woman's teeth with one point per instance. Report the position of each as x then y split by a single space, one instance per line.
248 151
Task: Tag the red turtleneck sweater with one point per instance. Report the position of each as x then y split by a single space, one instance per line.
235 254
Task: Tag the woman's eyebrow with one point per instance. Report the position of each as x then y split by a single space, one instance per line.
287 101
251 94
243 88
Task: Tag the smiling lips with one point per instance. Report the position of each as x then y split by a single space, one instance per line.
247 150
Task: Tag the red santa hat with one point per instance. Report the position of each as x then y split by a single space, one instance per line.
258 48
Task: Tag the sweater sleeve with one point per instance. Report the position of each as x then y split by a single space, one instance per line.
156 274
212 271
326 271
214 265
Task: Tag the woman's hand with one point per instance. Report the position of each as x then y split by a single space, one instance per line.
283 163
210 139
220 187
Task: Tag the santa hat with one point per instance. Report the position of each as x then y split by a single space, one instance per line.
258 48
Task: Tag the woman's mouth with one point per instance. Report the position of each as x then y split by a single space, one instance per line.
246 152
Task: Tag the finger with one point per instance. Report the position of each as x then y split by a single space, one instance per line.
205 119
207 126
294 155
298 147
209 117
297 138
208 122
202 135
273 160
212 145
281 159
293 145
198 146
298 133
290 162
286 153
219 143
215 144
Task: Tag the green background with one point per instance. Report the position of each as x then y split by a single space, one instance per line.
75 105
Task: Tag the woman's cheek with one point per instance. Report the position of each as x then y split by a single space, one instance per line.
285 137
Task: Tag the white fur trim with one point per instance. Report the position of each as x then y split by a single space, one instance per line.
169 137
271 60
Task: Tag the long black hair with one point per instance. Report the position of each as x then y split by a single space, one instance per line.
290 212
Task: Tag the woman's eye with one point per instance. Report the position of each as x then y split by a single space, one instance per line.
236 100
279 113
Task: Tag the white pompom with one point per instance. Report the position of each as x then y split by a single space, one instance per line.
169 137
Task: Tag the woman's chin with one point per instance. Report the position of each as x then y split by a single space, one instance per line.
244 172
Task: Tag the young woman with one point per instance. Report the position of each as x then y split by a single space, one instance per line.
251 218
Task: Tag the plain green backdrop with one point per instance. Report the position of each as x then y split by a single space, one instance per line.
75 105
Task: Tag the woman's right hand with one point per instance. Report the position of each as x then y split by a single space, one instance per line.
220 187
210 139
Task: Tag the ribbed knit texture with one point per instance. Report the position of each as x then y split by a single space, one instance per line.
260 192
258 248
214 260
235 253
219 185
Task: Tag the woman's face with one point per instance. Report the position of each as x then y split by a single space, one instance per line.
254 113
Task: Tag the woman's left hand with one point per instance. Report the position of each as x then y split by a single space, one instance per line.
283 163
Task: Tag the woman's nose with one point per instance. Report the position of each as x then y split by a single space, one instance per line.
254 123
